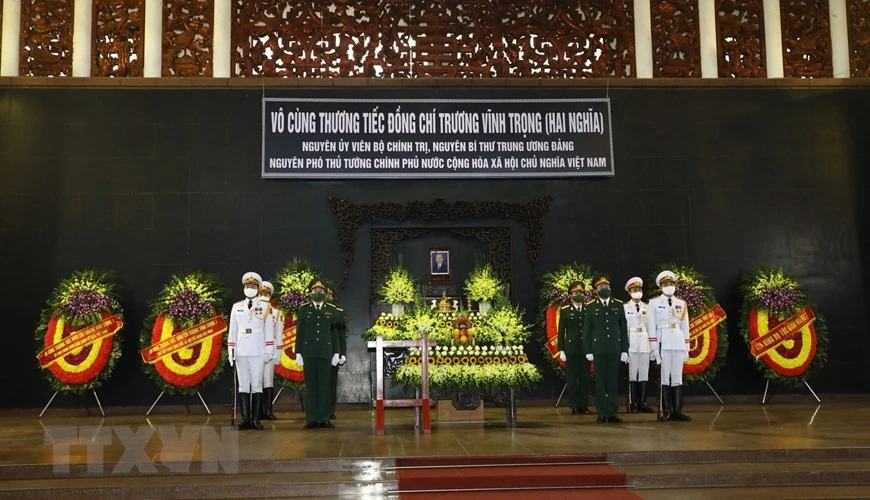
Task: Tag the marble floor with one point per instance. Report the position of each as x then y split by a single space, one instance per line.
67 436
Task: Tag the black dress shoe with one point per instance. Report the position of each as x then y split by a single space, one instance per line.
681 417
666 417
311 425
327 425
644 408
602 420
614 420
580 411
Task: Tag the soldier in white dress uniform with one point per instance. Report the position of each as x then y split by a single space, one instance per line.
668 317
251 345
639 352
265 294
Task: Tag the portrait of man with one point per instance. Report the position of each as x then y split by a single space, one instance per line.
440 260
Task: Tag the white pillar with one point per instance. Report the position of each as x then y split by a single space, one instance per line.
839 38
81 49
709 39
773 38
643 49
11 34
153 38
222 37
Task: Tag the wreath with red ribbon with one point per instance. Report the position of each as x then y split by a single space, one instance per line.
77 339
182 342
787 338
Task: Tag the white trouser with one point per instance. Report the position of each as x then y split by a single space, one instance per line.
638 366
269 375
250 372
672 368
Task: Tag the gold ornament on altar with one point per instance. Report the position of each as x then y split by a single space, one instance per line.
444 305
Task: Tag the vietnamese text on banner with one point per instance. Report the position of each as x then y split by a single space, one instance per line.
323 138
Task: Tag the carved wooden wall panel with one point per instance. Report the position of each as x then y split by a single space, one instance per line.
46 38
351 216
452 39
118 38
740 29
433 38
281 38
675 39
859 37
594 38
806 38
188 35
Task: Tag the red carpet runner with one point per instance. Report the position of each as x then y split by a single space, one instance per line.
509 477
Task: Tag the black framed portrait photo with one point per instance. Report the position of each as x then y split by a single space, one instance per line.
439 261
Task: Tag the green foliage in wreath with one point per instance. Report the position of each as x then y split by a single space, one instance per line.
80 299
782 296
209 289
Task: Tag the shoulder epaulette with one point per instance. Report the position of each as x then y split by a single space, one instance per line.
618 301
305 303
565 306
589 302
338 309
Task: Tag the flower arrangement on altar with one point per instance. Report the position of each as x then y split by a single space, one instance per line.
503 325
708 345
182 342
787 339
482 284
77 341
470 368
551 297
399 287
291 291
475 351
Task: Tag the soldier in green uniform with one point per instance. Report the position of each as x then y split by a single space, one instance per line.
605 341
317 347
570 345
341 326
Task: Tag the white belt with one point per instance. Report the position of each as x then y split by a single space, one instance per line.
637 330
667 326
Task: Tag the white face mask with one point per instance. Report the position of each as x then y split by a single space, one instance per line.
669 290
266 298
250 293
636 295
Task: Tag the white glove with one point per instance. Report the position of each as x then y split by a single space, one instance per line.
657 358
624 357
342 360
277 356
562 356
232 356
685 356
299 359
334 361
589 357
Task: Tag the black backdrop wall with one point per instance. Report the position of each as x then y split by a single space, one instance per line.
152 182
